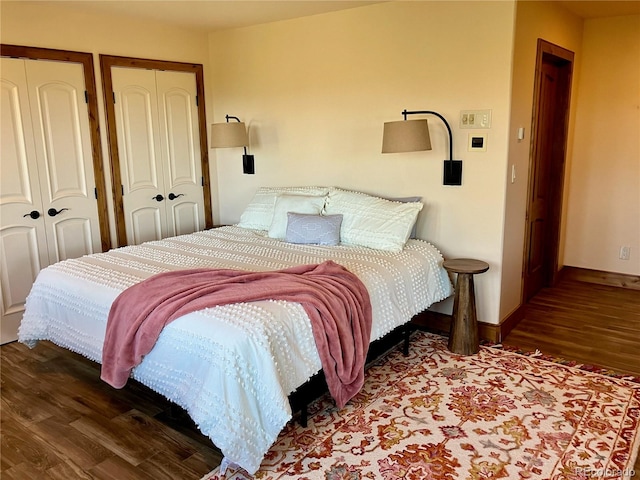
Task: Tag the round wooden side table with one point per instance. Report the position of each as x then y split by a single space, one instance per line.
463 338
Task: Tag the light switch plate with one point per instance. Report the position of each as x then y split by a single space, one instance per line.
475 119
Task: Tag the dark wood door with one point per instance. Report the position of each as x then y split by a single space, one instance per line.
552 94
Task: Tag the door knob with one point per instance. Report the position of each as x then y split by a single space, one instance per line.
158 198
52 212
33 214
173 196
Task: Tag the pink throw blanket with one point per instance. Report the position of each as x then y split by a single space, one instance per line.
335 300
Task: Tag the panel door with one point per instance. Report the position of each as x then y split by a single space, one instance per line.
538 266
23 246
181 151
139 150
65 163
46 163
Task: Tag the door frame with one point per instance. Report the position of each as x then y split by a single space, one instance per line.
86 60
106 63
546 52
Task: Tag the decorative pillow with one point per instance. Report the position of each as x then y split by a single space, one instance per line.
258 215
295 204
313 229
372 221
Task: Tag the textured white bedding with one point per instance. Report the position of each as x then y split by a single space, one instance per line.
230 367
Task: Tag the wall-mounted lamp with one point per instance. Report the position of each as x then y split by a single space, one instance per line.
225 135
413 136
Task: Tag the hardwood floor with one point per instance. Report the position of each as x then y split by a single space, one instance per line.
581 321
589 323
60 421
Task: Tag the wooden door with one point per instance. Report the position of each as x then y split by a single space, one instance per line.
47 164
159 151
181 150
109 64
546 175
63 151
139 149
23 246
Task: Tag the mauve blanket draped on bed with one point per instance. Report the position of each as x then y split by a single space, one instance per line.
335 300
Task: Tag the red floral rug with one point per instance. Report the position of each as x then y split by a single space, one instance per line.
437 415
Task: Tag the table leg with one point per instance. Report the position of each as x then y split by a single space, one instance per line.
463 338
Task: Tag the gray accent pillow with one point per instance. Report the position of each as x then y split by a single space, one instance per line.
313 229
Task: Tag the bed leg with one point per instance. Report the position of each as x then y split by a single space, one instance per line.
174 411
304 415
407 334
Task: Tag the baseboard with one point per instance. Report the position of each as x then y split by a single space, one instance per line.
599 277
509 323
437 322
434 322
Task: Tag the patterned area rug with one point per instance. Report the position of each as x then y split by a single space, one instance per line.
437 415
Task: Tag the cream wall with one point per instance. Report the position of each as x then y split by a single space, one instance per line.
551 22
604 189
50 25
601 200
316 91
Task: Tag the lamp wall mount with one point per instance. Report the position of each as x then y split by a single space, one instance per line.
248 165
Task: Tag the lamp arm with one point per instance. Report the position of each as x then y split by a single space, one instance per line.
429 112
237 120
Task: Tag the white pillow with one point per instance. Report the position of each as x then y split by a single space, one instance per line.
414 233
372 221
292 204
258 215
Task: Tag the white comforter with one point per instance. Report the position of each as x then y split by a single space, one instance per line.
230 367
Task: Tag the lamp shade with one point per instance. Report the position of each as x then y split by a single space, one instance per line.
406 136
229 134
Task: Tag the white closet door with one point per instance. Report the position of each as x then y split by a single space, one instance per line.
181 149
159 151
139 149
65 163
46 163
23 245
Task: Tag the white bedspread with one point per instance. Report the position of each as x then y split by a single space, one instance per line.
230 367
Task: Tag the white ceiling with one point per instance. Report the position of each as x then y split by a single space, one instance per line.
211 15
602 8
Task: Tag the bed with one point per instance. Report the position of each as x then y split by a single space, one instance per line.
232 367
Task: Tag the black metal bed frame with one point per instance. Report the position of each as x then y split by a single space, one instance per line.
316 386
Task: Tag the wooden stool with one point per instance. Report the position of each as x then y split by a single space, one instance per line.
463 338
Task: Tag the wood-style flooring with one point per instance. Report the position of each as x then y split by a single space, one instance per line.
60 421
589 323
586 322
